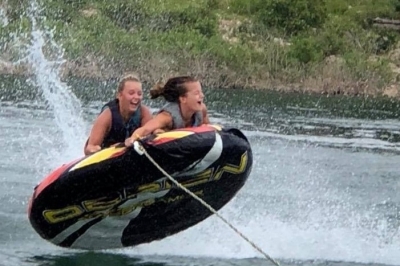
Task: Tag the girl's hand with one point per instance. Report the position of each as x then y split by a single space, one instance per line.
158 131
129 141
93 148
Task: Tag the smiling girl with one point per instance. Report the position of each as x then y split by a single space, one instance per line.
120 117
184 108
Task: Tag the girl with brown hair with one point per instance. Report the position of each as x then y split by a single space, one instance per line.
184 108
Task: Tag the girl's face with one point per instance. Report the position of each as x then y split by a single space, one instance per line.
131 96
193 99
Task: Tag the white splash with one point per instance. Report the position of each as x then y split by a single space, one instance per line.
45 57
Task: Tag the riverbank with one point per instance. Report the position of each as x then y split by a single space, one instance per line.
332 81
315 47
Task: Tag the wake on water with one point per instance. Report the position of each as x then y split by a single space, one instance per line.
250 211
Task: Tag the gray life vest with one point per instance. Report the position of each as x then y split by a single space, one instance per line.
177 121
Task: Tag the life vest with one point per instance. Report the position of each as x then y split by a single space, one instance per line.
120 130
177 121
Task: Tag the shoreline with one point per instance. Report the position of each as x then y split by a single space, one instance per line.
317 85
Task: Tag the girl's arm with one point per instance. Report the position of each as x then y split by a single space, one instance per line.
101 126
160 121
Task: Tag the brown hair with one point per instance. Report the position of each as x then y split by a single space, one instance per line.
173 89
124 79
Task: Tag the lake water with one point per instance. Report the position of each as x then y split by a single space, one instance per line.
323 189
